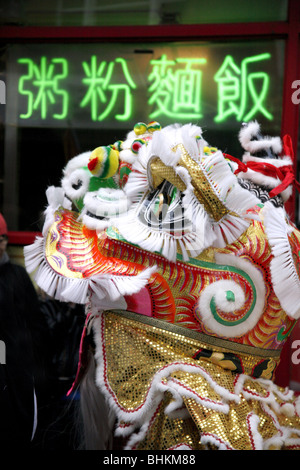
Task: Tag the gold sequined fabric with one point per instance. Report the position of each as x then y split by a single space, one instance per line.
202 188
154 384
166 433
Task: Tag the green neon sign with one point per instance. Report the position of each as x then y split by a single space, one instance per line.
45 81
112 90
104 91
237 86
176 92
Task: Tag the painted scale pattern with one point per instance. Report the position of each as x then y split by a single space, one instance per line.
172 293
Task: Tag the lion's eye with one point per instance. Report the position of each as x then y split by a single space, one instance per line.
77 185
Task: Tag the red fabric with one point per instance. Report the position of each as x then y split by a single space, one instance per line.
284 173
3 226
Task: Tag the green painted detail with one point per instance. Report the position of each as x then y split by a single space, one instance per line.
230 296
173 195
218 267
283 334
124 171
235 322
97 183
79 203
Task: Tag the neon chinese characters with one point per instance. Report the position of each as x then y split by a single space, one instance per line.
46 79
118 89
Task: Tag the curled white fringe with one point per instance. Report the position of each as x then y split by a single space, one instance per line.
162 382
248 143
104 286
284 275
191 242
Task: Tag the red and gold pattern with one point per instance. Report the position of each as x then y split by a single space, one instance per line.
173 291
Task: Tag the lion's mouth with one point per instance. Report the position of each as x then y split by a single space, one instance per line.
162 210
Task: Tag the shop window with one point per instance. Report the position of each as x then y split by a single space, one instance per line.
136 12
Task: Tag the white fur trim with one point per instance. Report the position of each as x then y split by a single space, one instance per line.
77 175
255 437
127 156
285 278
106 202
192 241
264 180
93 223
161 383
106 303
215 440
259 178
284 161
249 131
181 446
77 162
273 143
34 254
218 290
286 194
269 182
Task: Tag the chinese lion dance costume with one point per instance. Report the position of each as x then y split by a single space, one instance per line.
188 266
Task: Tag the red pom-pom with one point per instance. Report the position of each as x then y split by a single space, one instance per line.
92 164
136 146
